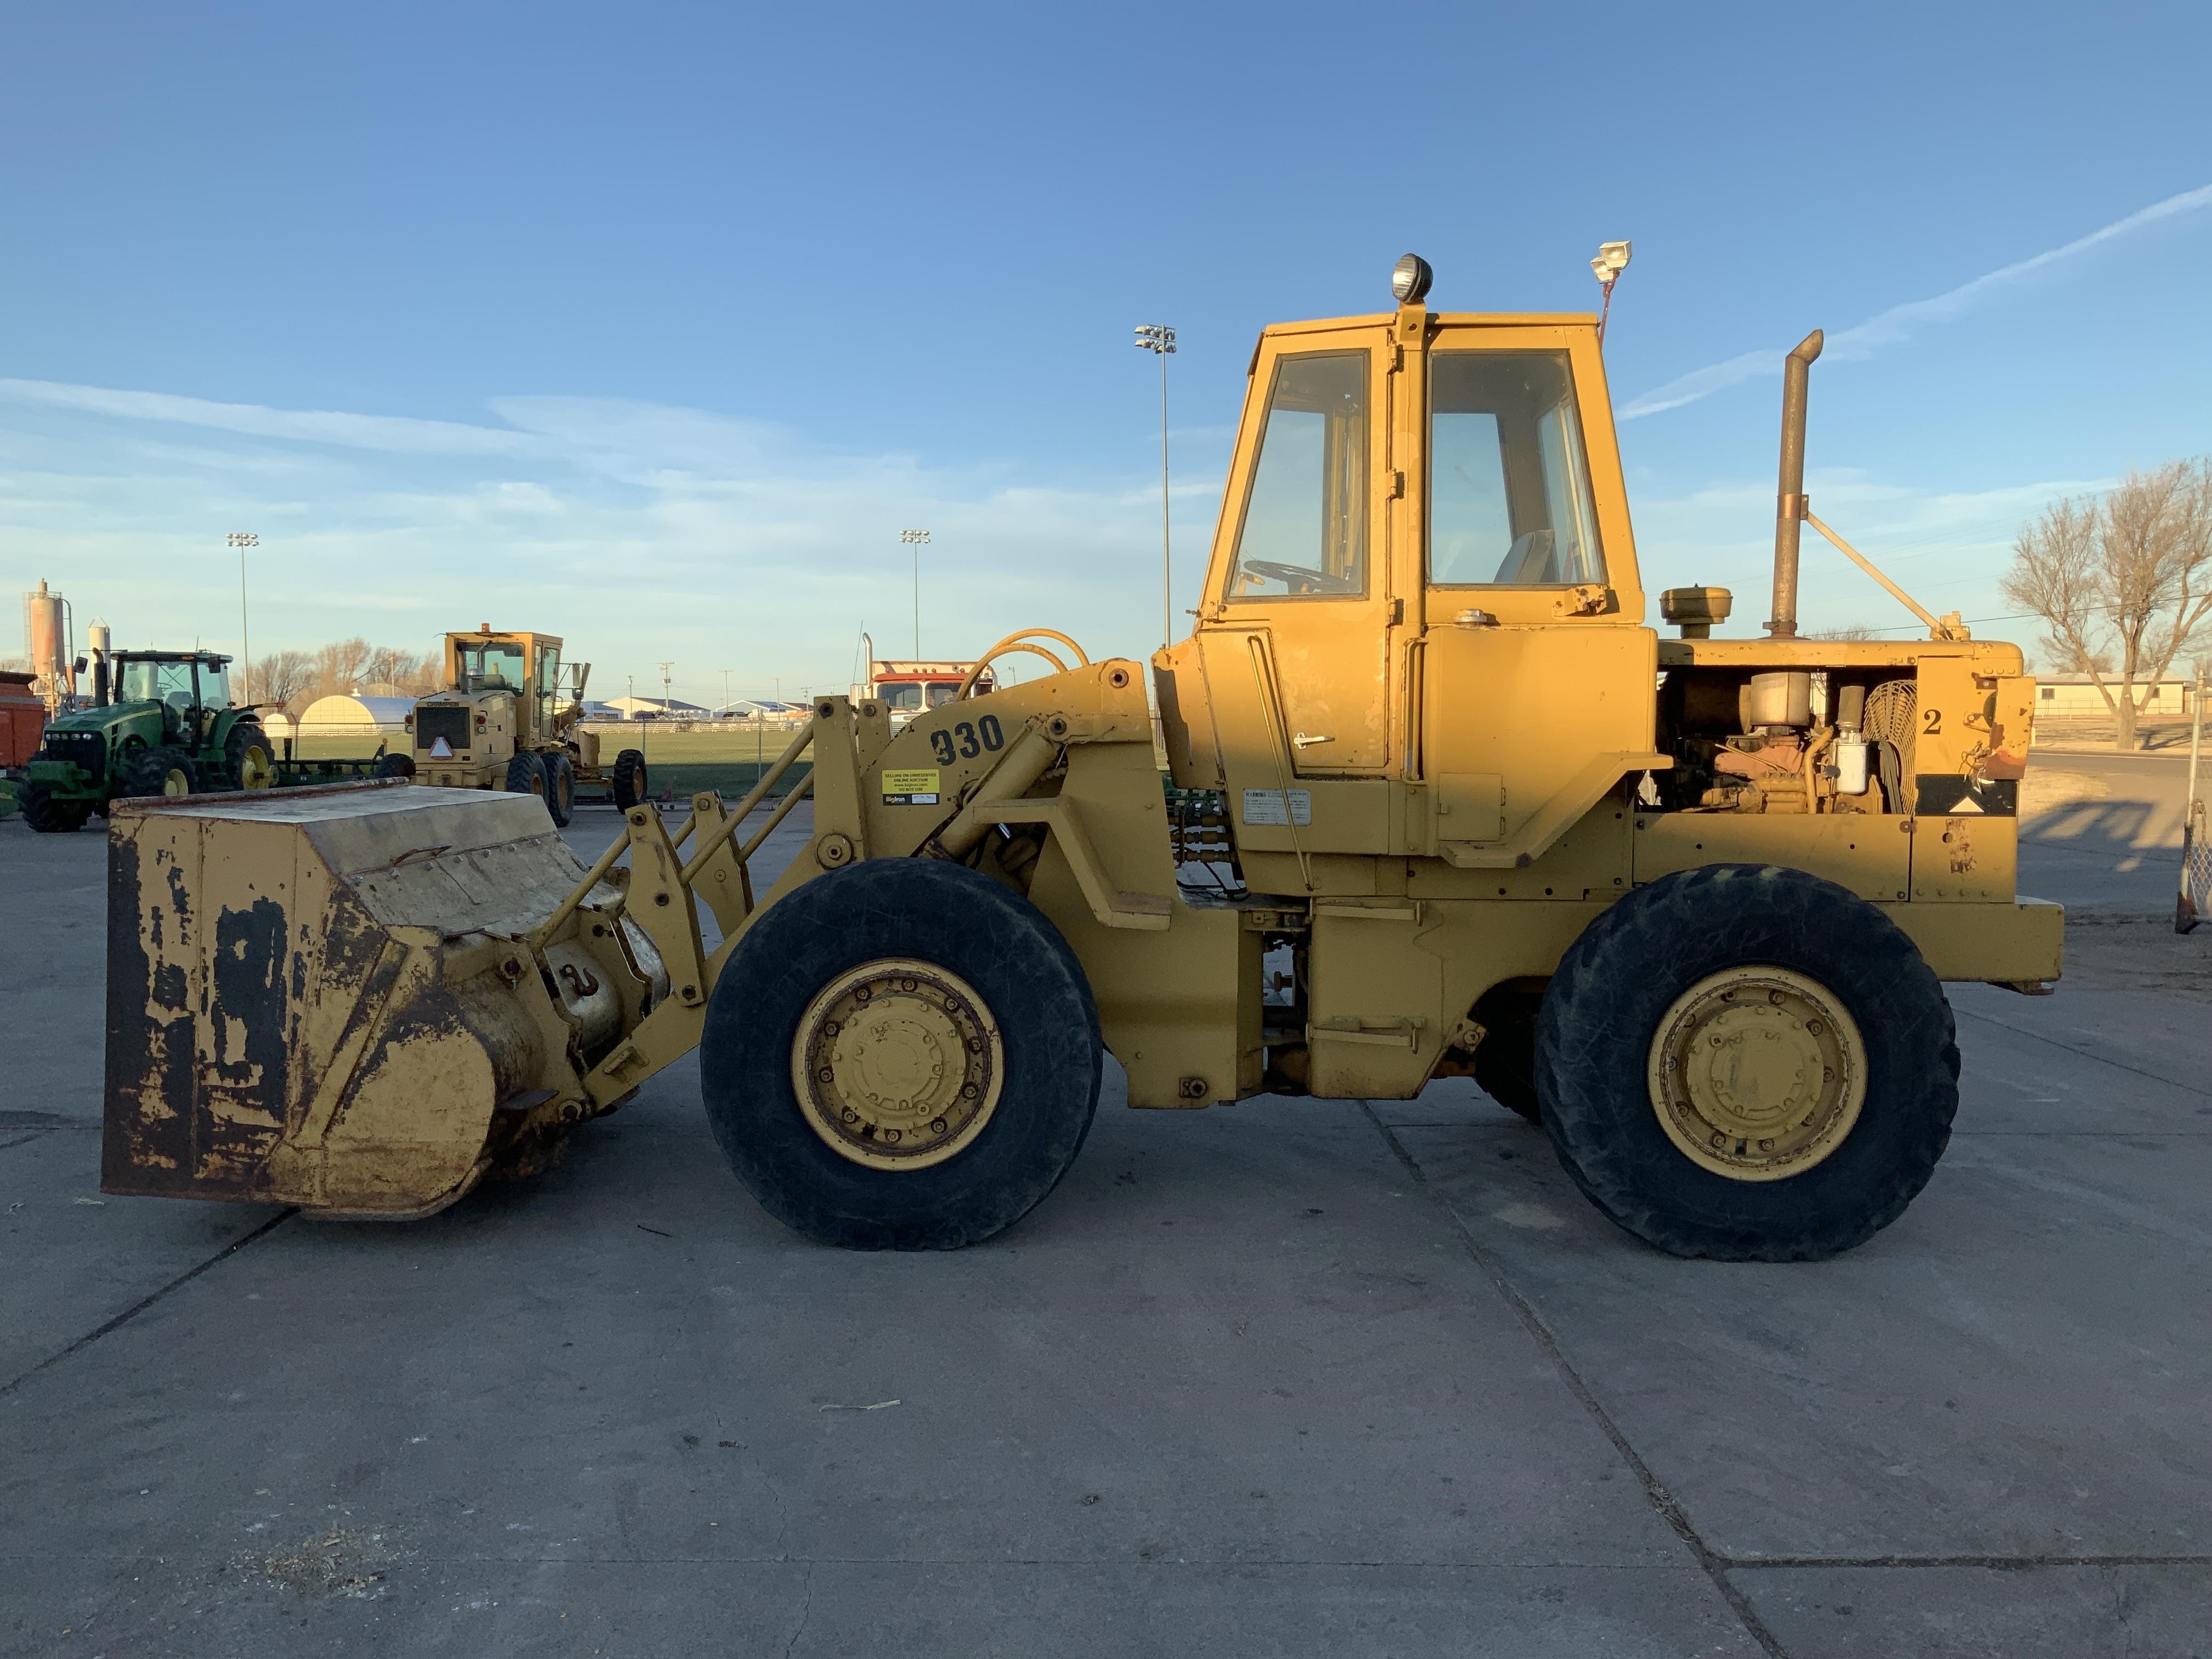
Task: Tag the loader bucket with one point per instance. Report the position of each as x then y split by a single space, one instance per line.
314 997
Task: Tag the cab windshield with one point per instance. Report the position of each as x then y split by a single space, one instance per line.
1305 519
490 665
139 681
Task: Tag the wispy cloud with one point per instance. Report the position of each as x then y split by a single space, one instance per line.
1896 323
392 433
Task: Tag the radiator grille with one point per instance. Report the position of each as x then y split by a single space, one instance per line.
86 749
436 720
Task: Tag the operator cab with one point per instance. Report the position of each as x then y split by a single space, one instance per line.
526 666
191 687
1423 559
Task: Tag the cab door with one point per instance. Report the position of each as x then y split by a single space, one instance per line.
1298 626
1539 680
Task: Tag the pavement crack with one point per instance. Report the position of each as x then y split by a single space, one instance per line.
1994 1563
2096 1058
1662 1502
806 1610
146 1302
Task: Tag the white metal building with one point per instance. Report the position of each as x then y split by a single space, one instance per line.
2064 694
348 716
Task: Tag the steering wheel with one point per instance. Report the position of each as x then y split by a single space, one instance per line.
1299 579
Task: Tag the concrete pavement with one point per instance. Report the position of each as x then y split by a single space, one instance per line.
1288 1377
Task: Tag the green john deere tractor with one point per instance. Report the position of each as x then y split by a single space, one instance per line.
161 723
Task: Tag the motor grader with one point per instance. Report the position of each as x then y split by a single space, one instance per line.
510 718
1688 902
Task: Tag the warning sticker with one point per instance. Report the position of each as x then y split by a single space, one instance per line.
1266 806
914 786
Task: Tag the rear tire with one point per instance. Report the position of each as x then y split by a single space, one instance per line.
394 766
948 918
248 763
628 780
160 771
560 788
525 775
1601 1054
50 816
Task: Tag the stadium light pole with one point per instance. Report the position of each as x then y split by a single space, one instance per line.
242 539
1159 339
916 539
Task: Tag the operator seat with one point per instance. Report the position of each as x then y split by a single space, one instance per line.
1527 563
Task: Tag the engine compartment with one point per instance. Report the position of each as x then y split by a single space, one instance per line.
1786 740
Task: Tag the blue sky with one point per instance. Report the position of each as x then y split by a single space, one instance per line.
652 325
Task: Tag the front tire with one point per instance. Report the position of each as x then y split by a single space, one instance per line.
160 771
248 763
1747 1064
956 966
49 816
525 775
1505 1059
628 780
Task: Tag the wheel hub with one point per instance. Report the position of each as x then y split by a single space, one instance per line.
1756 1073
898 1064
254 769
175 783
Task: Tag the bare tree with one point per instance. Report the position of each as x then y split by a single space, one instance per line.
2127 580
341 667
282 676
427 674
1853 631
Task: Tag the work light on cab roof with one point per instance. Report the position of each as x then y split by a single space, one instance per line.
1410 278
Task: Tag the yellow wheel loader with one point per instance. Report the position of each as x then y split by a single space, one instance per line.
1443 803
511 718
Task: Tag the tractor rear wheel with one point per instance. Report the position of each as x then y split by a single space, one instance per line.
50 816
160 771
560 788
394 766
525 775
902 1054
247 760
628 780
1747 1063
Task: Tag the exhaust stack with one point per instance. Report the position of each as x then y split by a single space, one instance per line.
1789 501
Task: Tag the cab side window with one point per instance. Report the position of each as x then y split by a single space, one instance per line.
1508 491
1305 533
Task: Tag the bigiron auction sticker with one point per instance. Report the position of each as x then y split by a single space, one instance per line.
916 787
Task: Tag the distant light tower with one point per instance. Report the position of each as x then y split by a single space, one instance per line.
726 694
916 539
1159 339
665 667
242 539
